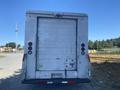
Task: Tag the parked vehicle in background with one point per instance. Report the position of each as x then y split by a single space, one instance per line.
56 48
6 49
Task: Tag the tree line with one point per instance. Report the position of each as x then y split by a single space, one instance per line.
12 45
109 43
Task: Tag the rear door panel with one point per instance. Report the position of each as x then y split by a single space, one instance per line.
56 44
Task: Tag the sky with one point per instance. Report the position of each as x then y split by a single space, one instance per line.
104 16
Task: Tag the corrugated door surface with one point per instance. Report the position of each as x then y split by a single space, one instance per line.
56 44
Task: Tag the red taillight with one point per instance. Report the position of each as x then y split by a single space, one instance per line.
43 82
71 82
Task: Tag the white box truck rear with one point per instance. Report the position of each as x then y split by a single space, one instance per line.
56 48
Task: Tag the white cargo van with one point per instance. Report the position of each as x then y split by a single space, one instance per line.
56 48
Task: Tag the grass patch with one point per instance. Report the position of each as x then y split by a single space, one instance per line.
105 58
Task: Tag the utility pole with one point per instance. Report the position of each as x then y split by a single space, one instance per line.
16 31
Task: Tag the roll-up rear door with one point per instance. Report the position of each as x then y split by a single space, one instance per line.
56 45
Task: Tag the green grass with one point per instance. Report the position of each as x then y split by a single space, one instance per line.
109 51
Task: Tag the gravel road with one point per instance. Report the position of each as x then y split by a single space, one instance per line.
10 76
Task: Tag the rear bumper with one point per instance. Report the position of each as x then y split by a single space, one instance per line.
56 81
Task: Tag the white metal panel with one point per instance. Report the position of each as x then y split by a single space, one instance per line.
30 30
56 43
39 12
48 74
83 62
72 74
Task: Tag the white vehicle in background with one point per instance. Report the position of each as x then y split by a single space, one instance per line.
56 48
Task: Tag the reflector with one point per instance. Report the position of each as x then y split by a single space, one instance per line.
30 43
29 48
71 81
29 52
83 45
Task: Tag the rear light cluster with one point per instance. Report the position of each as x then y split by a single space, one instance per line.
29 48
71 82
83 49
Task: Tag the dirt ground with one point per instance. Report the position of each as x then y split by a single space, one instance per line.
106 71
105 75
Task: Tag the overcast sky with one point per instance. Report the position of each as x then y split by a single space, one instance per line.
104 16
